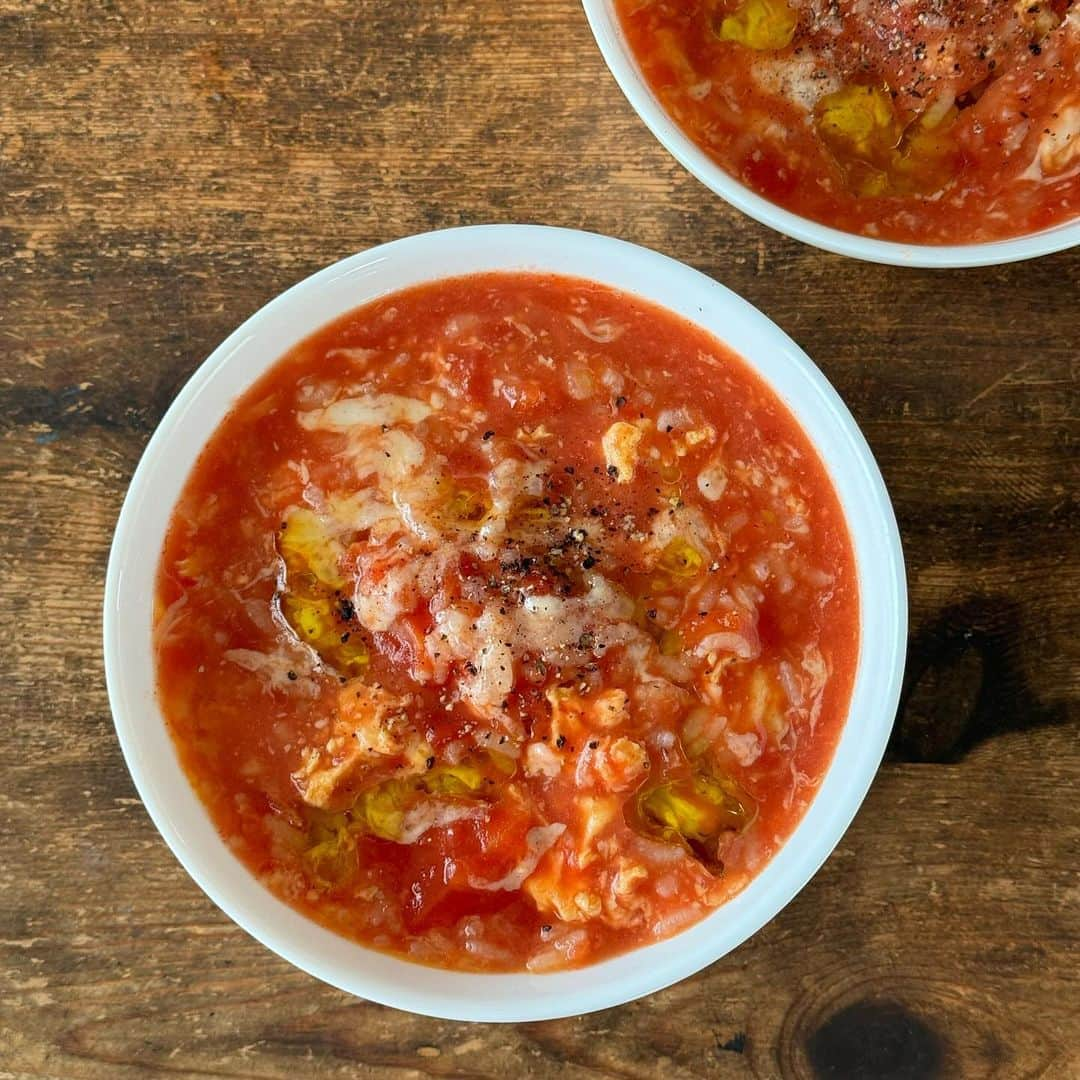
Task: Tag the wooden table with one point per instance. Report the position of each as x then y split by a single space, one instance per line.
165 169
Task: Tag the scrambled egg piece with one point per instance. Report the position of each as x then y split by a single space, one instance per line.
374 717
620 444
370 725
1040 19
1059 149
764 705
559 884
759 24
688 441
541 760
617 763
573 715
598 813
554 887
572 885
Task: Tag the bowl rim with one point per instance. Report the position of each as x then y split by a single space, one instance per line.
622 64
259 342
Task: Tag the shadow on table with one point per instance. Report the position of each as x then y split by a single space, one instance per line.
964 684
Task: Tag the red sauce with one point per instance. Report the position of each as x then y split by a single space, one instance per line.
915 121
507 622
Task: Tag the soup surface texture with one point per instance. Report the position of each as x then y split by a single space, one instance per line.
920 121
508 622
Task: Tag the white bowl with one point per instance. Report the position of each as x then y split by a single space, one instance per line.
620 60
246 354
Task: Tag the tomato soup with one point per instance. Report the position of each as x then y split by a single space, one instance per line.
509 622
908 120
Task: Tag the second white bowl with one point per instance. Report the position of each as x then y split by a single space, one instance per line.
623 65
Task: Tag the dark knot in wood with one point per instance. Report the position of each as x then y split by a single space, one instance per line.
875 1040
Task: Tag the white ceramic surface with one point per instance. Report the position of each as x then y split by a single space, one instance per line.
620 60
201 405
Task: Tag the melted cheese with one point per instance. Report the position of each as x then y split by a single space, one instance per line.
370 411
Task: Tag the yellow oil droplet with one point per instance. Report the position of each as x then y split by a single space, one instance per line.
680 559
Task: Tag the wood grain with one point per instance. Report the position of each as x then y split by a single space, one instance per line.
167 168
